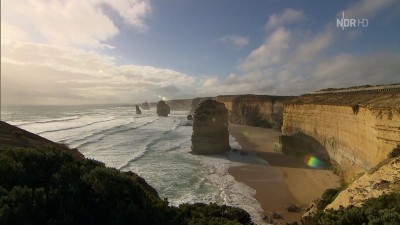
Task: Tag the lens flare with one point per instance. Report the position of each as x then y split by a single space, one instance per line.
314 162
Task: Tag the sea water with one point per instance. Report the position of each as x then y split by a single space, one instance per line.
156 148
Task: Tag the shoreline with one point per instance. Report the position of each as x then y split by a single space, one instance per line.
284 181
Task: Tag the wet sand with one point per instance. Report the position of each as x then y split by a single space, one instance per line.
285 180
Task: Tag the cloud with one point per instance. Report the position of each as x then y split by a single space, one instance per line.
341 70
47 74
367 8
269 53
236 40
10 32
292 61
345 68
307 51
133 12
72 22
286 17
46 59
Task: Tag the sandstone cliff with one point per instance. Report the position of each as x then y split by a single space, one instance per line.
252 110
355 130
258 110
383 179
210 128
180 104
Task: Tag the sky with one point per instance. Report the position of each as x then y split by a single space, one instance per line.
71 52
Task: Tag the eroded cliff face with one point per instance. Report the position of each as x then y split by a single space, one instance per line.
356 130
180 104
258 110
252 110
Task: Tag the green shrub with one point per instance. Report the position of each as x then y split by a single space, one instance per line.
395 152
49 186
382 210
328 196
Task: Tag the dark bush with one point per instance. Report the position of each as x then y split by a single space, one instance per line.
258 122
355 108
395 152
328 196
17 134
49 186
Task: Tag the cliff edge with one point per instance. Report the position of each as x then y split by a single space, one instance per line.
355 129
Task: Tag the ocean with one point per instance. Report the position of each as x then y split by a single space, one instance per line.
156 148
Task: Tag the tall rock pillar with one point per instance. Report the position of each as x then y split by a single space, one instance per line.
162 109
210 128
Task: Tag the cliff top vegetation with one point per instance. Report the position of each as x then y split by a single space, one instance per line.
390 99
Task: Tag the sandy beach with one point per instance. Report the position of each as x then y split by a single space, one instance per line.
285 180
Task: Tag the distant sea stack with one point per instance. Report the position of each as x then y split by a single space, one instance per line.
145 106
210 128
162 109
138 111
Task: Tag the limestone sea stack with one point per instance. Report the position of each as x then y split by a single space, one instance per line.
162 109
210 128
138 111
145 106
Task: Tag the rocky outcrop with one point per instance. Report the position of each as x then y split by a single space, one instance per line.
355 130
383 179
210 128
252 110
145 106
12 136
138 111
162 109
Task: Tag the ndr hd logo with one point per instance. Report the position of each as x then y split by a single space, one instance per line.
351 22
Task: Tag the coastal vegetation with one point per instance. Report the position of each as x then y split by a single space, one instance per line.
46 185
382 210
395 152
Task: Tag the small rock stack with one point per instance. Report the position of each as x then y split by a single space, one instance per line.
210 128
162 109
138 111
145 106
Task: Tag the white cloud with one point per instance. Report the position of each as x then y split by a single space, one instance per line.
72 22
47 74
10 32
286 17
42 63
345 68
307 51
236 40
269 53
133 11
292 62
366 8
342 70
